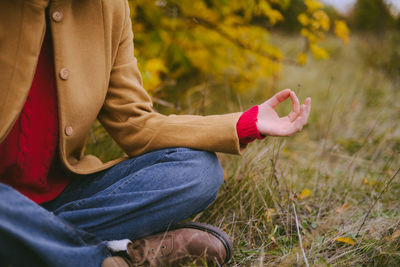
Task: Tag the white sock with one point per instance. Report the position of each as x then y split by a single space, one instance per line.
118 245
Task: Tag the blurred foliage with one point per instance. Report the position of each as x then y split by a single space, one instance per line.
292 11
185 46
383 54
380 29
372 16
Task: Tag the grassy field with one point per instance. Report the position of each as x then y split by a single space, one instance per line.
329 175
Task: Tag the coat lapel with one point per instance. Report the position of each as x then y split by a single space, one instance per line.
20 48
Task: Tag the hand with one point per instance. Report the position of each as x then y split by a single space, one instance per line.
269 122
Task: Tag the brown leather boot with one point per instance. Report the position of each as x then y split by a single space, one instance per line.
185 243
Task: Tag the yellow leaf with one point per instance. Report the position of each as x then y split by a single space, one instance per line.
343 208
310 36
302 58
322 19
345 239
155 65
313 5
152 74
303 19
315 25
304 32
273 15
395 235
342 31
318 52
305 193
365 181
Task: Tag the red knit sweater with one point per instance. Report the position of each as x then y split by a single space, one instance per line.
28 156
29 160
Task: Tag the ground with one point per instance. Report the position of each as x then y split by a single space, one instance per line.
335 175
330 174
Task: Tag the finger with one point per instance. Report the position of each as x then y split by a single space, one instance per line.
301 120
305 111
302 117
307 103
295 102
296 126
292 116
278 98
295 106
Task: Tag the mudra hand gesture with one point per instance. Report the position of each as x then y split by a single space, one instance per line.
269 122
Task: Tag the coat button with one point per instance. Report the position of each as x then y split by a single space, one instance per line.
57 16
64 74
68 130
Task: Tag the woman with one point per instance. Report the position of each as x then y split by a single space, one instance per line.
65 63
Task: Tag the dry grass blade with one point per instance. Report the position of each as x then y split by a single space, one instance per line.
377 199
298 232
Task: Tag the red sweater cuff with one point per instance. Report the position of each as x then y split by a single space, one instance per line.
246 127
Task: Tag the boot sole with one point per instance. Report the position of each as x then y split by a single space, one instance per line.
215 231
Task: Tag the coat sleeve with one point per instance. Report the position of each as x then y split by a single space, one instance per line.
128 116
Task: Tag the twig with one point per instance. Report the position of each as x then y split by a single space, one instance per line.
298 232
236 41
376 200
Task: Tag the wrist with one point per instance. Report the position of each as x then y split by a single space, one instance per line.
247 126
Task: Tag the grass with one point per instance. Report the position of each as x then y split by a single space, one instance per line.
344 157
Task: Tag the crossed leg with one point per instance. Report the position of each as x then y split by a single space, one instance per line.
135 198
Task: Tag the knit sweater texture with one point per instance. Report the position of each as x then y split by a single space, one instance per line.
28 156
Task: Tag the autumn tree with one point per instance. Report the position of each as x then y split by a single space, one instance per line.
188 48
219 41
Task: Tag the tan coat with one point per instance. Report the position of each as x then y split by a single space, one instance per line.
97 77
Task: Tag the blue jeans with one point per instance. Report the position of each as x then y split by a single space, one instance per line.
135 198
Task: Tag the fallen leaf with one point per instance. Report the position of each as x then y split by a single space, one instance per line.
305 193
345 239
370 182
343 208
395 235
308 208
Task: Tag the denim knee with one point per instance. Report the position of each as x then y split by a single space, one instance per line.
207 175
